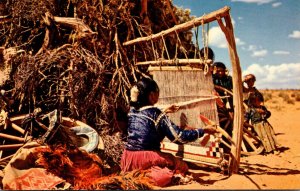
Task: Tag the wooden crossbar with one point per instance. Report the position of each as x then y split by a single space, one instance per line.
183 27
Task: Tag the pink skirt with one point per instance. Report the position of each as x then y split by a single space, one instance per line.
162 166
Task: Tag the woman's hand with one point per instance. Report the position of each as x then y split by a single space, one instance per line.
210 129
261 111
171 109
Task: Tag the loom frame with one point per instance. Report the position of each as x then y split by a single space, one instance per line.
222 16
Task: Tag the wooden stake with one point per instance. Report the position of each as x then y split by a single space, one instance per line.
5 158
17 128
10 147
12 137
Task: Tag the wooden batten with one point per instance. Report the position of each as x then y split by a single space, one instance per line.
172 68
177 62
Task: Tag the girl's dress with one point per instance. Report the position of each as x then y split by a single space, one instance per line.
262 127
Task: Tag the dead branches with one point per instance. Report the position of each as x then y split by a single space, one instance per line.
73 58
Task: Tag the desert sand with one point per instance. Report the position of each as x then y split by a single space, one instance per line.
269 171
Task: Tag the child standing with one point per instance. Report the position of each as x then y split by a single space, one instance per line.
258 114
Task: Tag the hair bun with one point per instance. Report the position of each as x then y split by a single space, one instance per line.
134 93
249 77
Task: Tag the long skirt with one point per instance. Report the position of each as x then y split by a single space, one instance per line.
267 135
162 166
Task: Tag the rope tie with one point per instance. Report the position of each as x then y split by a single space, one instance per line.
160 62
152 45
206 69
176 61
205 37
165 46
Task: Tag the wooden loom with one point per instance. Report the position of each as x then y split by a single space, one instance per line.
192 89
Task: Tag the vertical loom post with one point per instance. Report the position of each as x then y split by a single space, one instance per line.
238 120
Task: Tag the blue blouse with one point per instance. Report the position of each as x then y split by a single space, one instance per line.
148 126
256 117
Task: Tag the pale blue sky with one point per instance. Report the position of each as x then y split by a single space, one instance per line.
267 34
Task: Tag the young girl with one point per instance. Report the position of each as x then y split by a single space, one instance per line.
258 115
147 127
251 90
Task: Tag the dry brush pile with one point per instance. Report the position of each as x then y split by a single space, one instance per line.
68 55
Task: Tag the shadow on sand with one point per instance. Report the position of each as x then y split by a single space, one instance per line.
202 176
259 169
246 169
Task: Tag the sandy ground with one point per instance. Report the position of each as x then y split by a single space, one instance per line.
262 171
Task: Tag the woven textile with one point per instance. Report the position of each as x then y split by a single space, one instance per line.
180 85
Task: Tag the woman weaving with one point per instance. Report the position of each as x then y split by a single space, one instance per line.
147 127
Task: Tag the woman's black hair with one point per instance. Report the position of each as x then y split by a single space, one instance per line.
145 86
210 53
250 76
219 65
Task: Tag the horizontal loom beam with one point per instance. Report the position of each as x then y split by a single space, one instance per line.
183 27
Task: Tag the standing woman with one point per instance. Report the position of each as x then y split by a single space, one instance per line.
147 127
